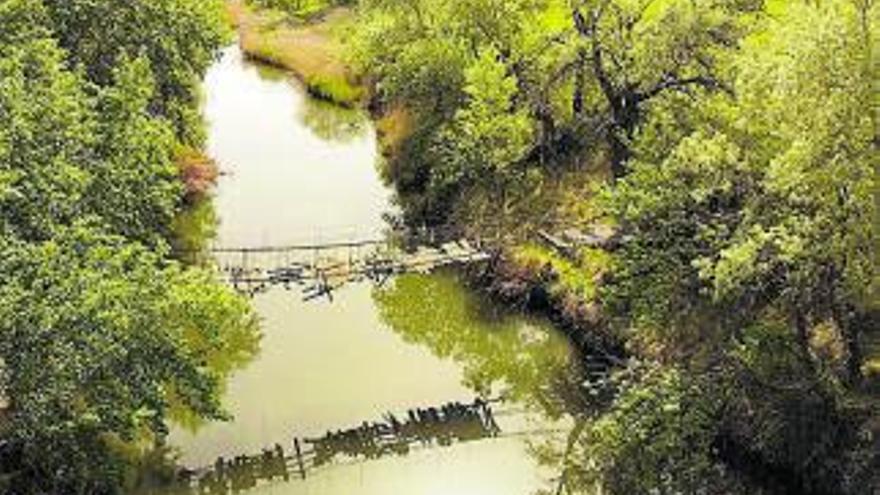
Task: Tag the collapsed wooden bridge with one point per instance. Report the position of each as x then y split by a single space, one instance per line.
319 269
420 428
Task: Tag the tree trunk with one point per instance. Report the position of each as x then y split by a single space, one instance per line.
851 329
803 339
620 154
577 100
626 117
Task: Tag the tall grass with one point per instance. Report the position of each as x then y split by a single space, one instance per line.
309 49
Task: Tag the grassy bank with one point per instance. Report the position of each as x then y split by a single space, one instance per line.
308 47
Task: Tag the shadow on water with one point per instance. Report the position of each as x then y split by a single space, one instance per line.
422 428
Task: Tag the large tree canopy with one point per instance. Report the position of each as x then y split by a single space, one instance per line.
752 245
586 77
102 337
99 336
178 37
48 127
739 145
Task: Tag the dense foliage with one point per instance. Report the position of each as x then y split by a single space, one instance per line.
102 334
569 79
732 145
737 144
178 37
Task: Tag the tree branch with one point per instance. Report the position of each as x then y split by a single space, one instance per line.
589 30
675 83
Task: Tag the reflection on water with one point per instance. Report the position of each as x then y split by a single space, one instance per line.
193 228
284 183
332 122
453 422
425 428
531 361
294 171
327 121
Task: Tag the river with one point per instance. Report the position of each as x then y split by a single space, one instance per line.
295 169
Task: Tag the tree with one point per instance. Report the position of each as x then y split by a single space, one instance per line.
632 53
180 39
752 243
423 56
101 337
775 209
135 186
67 154
419 51
811 224
591 75
46 127
657 439
488 137
97 334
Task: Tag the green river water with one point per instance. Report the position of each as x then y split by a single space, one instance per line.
296 169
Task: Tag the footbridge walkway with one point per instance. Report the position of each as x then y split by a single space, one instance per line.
320 268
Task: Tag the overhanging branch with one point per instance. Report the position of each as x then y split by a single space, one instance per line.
680 84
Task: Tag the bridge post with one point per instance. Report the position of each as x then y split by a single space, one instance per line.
299 458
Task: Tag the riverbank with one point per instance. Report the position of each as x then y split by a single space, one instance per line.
195 223
309 48
521 279
528 275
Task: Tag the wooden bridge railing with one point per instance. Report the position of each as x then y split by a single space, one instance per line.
319 269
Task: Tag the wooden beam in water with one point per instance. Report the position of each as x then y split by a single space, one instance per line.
299 458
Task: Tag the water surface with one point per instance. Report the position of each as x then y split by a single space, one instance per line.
298 170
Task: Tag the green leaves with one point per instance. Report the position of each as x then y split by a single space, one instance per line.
488 135
46 135
752 244
782 195
656 440
94 332
680 214
178 37
135 186
101 336
465 70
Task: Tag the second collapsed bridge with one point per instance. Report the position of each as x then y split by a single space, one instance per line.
453 422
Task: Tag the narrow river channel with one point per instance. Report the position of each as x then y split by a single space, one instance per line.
299 170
